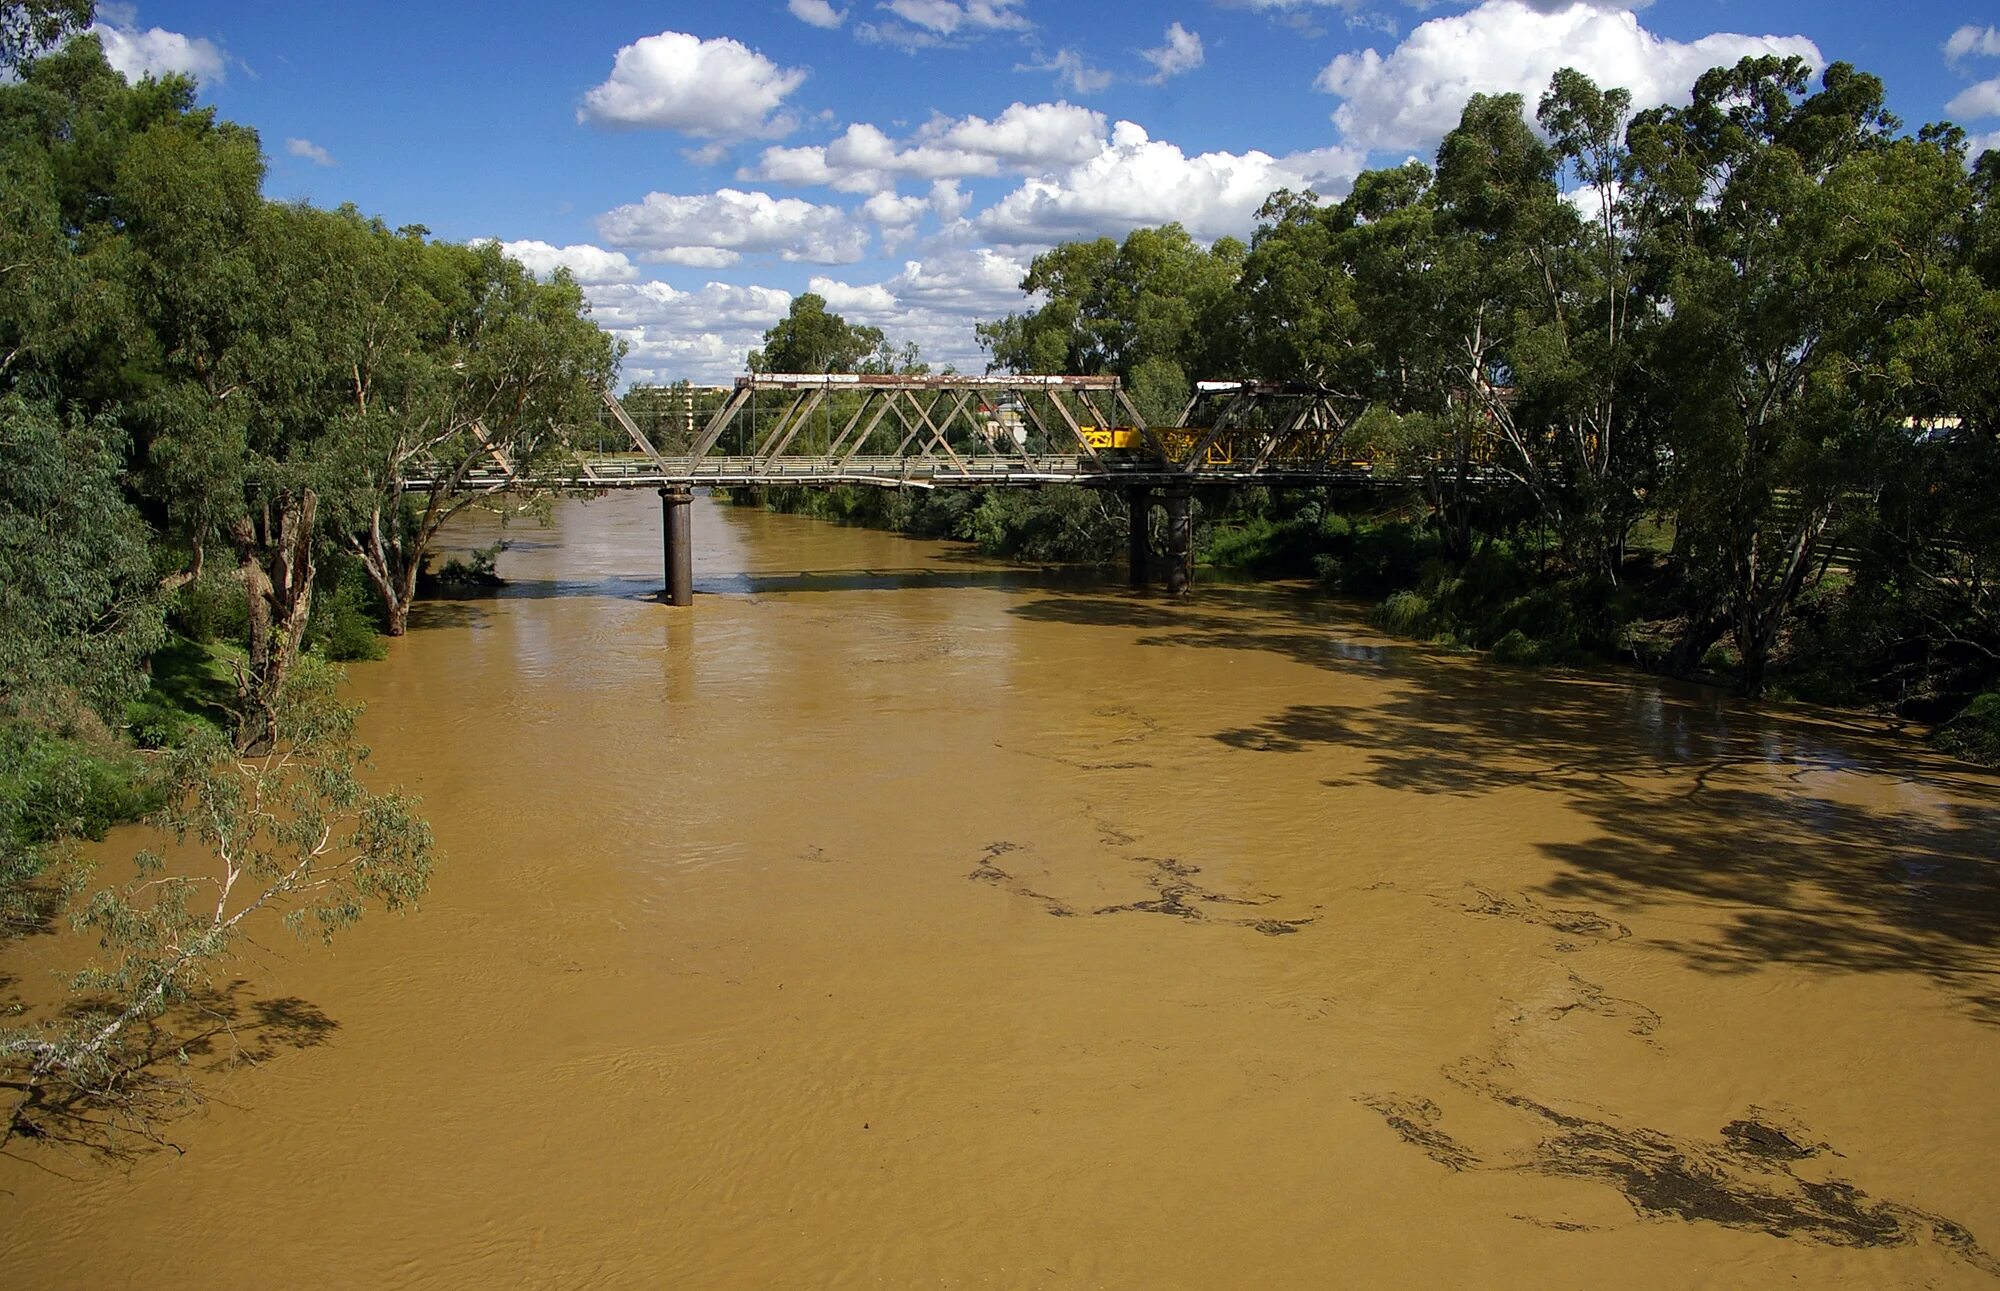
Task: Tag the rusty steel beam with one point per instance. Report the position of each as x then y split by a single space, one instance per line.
884 381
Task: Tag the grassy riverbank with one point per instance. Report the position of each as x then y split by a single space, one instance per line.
76 776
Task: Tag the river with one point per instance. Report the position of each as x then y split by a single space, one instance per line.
894 918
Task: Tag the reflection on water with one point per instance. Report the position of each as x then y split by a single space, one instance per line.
892 917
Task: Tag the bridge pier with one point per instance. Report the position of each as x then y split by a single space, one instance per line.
1180 540
677 527
1138 544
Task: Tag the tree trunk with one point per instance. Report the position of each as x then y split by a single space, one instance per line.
274 548
1688 652
1762 613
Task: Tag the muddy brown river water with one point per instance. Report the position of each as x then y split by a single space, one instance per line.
895 919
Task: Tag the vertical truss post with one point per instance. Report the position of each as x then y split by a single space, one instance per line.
1180 539
677 527
1138 545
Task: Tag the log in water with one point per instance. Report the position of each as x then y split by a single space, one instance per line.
892 918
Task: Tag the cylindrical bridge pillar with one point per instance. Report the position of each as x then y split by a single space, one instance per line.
677 524
1180 540
1139 501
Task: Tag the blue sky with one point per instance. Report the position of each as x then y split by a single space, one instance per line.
697 164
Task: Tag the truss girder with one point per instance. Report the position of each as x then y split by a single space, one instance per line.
952 430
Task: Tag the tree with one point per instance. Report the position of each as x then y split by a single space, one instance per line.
1764 209
28 27
1297 294
290 830
1158 310
80 607
466 362
810 339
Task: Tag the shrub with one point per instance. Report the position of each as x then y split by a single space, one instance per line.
1975 733
1407 613
212 608
345 623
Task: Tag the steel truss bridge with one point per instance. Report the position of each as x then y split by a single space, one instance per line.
822 430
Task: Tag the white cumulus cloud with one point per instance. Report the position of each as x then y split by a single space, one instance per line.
1969 40
589 265
947 17
923 24
712 89
1137 180
1975 101
136 52
889 209
311 151
1412 97
715 229
701 335
1181 52
704 335
817 12
1024 137
869 303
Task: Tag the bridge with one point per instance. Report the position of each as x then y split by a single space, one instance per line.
819 430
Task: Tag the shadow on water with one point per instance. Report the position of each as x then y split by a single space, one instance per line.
1246 616
1692 795
132 1113
460 607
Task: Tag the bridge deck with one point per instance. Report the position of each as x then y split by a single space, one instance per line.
627 471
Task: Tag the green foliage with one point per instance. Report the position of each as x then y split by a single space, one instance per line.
1409 613
291 834
1975 733
193 689
195 379
211 608
29 26
1156 309
472 569
1727 364
78 605
811 339
54 789
346 620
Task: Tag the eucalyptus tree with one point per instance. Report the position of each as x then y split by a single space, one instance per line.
811 338
27 27
1573 356
80 606
1767 212
1158 310
1922 619
468 364
289 834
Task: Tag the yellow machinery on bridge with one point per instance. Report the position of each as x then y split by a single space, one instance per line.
1180 443
1245 425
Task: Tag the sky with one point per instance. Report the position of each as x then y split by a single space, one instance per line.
696 165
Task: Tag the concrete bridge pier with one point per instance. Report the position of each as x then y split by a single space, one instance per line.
677 524
1180 540
1139 502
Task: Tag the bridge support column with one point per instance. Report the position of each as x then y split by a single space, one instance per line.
1180 540
677 524
1139 501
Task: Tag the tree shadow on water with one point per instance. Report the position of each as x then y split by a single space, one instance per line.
128 1109
1693 796
1252 617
